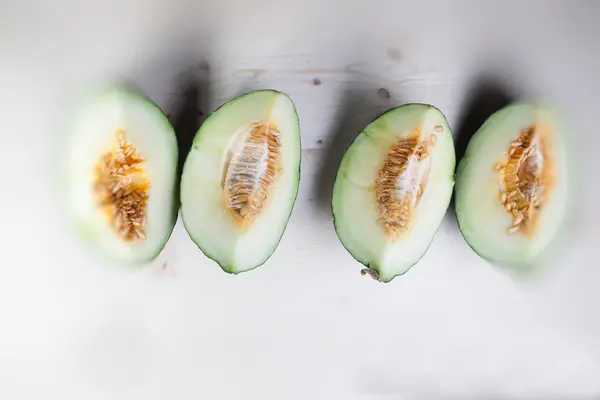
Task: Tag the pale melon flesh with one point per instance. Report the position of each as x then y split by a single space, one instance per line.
393 187
121 174
240 179
512 186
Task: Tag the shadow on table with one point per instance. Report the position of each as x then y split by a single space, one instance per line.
486 96
191 108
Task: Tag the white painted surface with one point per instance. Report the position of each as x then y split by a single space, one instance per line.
306 325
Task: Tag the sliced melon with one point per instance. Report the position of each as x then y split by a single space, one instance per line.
121 171
240 179
393 187
511 186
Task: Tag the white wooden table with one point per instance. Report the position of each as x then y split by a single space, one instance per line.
306 324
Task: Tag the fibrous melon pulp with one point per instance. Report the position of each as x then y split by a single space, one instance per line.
240 179
393 187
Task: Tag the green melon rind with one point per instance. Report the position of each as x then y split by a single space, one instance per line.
230 269
525 267
87 231
387 279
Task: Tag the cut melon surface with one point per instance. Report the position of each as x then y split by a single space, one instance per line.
240 179
121 174
512 186
393 187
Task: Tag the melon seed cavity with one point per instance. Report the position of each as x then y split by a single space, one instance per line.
525 179
401 182
252 171
122 187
